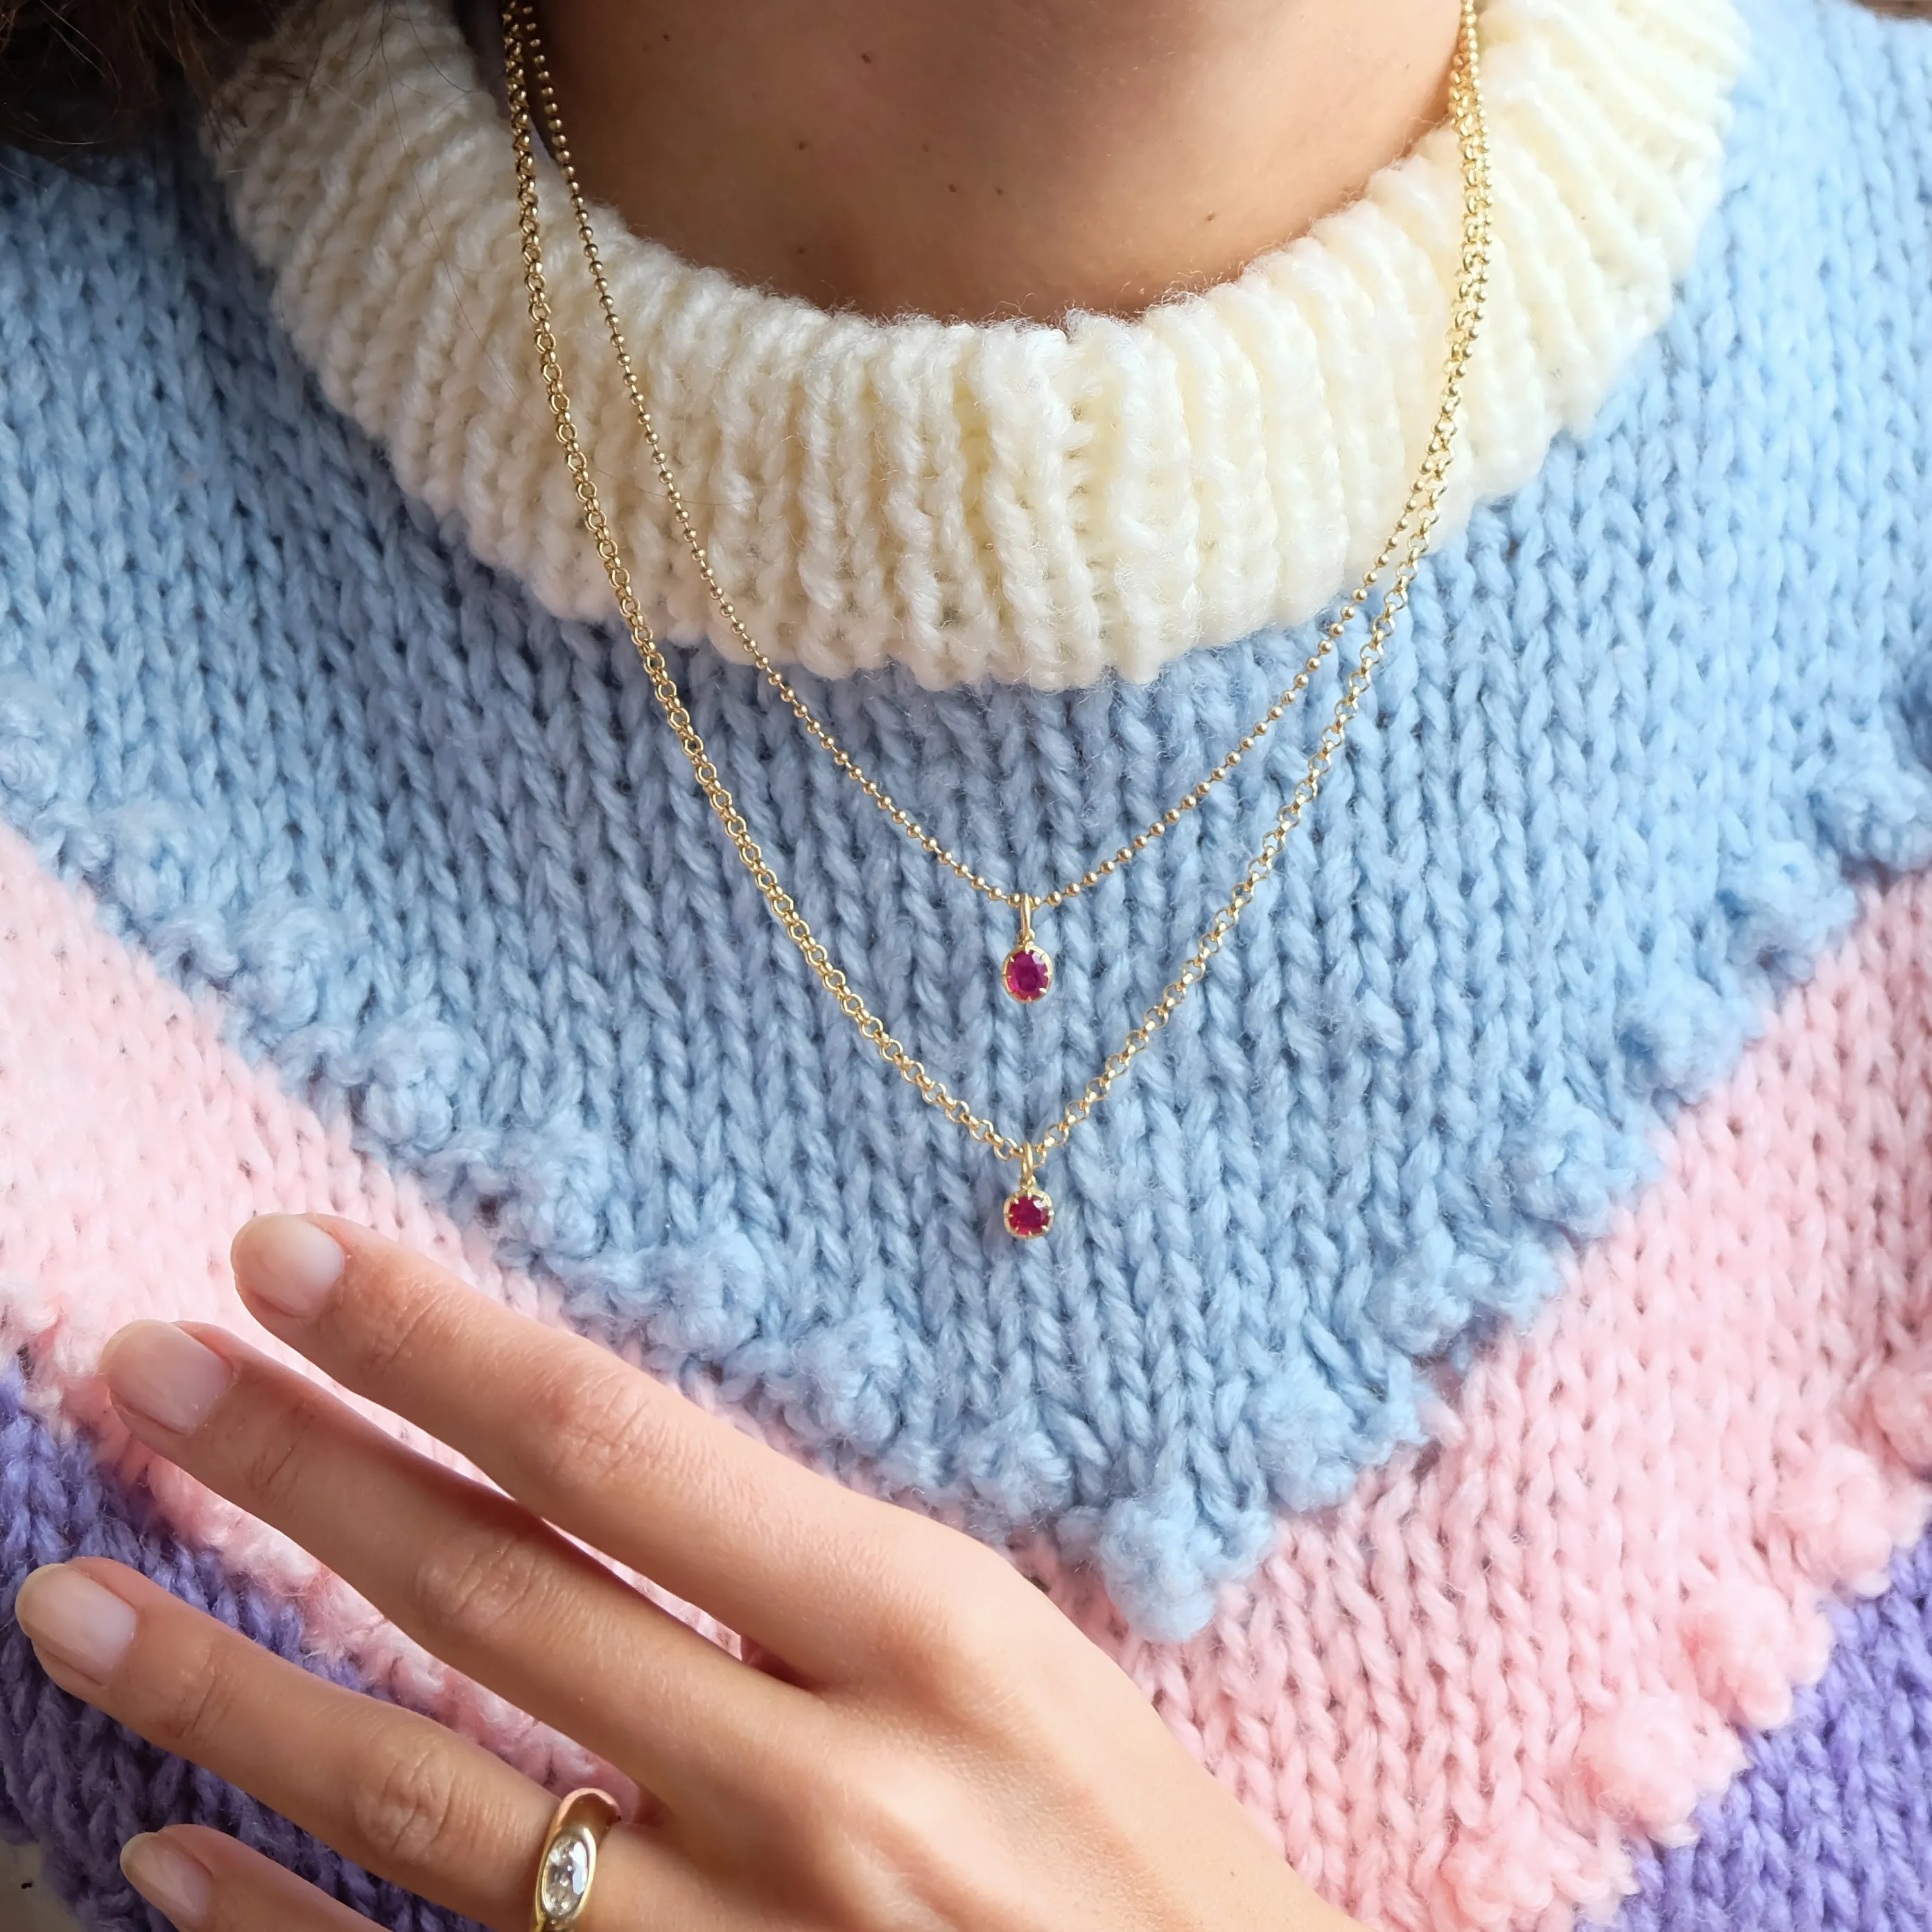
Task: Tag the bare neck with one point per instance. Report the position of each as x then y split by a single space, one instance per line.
989 158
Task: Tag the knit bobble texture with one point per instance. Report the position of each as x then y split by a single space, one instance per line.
1901 1406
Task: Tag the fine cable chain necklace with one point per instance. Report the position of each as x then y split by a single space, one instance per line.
1028 971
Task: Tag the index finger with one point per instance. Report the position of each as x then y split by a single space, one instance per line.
813 1572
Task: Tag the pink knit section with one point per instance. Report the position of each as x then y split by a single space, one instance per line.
1452 1698
137 1143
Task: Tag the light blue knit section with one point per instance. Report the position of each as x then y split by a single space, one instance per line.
438 855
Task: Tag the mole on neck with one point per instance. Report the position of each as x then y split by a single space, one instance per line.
989 158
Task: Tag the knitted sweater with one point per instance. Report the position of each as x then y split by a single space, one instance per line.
1479 1381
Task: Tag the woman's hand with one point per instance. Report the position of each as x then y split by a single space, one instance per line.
928 1744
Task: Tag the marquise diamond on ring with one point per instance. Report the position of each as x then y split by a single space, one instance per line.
568 1863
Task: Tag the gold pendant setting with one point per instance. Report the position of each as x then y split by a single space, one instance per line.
1026 971
1029 1212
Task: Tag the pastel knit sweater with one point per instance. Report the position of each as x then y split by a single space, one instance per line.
1480 1381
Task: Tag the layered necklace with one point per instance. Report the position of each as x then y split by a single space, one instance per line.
1026 972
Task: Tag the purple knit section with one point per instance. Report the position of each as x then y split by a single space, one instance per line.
1830 1828
81 1786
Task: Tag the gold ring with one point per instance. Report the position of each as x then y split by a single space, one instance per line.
568 1862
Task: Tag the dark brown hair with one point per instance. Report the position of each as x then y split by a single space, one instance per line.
81 74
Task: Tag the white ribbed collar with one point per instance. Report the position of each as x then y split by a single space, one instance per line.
1013 501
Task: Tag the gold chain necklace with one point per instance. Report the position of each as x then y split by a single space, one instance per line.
1027 972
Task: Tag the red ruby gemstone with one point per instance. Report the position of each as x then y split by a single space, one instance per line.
1029 1214
1029 973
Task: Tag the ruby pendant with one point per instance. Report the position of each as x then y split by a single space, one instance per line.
1028 974
1029 1212
1026 971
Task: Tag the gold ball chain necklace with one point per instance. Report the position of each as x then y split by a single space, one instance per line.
1026 971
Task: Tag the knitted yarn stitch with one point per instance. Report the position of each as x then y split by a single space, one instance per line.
1666 1537
1533 1187
1830 1830
1017 501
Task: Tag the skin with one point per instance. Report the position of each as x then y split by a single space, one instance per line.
1008 158
923 1744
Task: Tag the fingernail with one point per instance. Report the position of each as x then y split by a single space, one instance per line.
164 1373
288 1262
169 1879
69 1617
